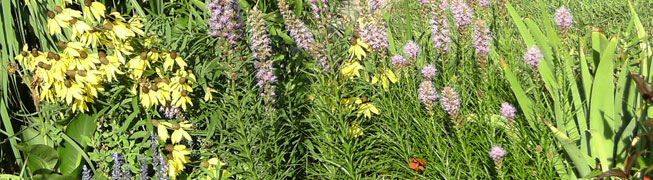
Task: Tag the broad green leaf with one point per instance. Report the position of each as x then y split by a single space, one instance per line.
520 25
39 156
602 107
572 150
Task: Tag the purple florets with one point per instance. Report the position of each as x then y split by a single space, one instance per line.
170 112
563 18
86 174
116 172
225 21
427 94
508 111
143 170
260 45
484 3
318 7
298 31
158 163
497 153
440 32
429 71
411 49
450 101
374 33
375 4
482 39
462 13
399 61
533 57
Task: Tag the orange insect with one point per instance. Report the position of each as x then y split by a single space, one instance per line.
417 165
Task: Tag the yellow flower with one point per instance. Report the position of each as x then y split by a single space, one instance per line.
71 49
109 66
171 59
138 65
208 96
366 108
93 11
148 97
358 48
162 129
135 24
24 58
91 38
181 99
57 21
180 132
182 81
214 167
177 158
79 28
354 130
385 75
81 104
68 90
118 27
351 69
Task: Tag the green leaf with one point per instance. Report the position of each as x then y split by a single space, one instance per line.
520 25
39 156
572 150
602 107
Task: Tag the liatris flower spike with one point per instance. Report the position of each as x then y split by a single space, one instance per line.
399 61
484 3
427 94
462 13
373 32
116 172
508 111
429 71
298 31
375 4
260 45
497 153
533 57
225 21
563 18
411 49
440 32
482 40
450 101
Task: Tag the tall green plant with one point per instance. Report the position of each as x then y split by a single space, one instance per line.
593 118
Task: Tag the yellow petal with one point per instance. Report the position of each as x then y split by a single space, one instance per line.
163 132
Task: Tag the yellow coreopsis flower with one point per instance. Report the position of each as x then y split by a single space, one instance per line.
135 24
182 81
177 158
386 76
358 49
138 65
93 11
208 96
57 21
148 97
118 27
366 108
71 49
81 104
85 61
91 38
181 99
109 66
24 58
214 168
79 28
68 90
351 69
180 133
171 59
162 129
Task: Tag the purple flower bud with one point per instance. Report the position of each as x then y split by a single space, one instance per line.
450 101
298 31
533 57
429 72
399 61
375 4
462 13
117 172
482 39
411 49
563 18
497 153
440 32
508 111
427 94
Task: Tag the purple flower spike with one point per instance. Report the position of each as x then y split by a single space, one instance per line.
462 13
508 111
482 39
533 57
374 33
375 4
427 94
399 61
563 18
450 101
440 32
429 71
225 21
260 45
298 31
497 153
484 3
411 49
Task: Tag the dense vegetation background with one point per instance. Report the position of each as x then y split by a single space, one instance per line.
320 123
